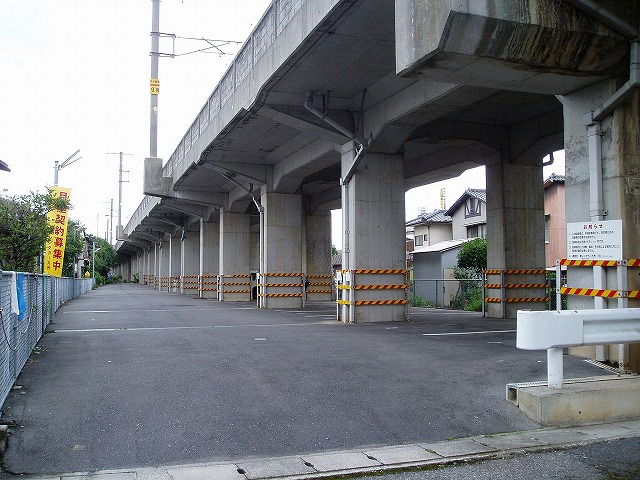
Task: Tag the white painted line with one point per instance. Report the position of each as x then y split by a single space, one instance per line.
175 309
201 327
466 333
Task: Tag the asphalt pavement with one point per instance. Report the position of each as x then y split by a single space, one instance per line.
129 379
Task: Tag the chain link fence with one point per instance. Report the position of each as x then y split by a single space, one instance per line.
43 295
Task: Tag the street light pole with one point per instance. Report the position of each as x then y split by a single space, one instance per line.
57 166
93 261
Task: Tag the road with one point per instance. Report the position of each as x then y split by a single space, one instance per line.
131 377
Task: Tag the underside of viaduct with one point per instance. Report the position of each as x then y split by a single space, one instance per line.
350 103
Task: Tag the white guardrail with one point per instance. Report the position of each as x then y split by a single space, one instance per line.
552 331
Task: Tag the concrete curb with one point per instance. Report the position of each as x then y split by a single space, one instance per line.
375 459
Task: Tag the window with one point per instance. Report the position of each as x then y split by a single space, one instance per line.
418 240
479 230
546 228
472 207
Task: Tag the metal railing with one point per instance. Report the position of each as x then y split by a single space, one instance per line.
43 295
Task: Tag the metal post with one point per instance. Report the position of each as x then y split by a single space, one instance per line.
623 302
155 55
484 279
558 285
503 294
555 367
56 165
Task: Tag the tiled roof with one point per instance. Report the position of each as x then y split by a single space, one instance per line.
553 178
480 194
437 216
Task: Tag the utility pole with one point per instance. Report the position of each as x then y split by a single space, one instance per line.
111 223
155 81
120 181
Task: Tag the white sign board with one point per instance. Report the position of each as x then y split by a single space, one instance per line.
595 240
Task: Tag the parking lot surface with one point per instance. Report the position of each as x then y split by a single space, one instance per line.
130 377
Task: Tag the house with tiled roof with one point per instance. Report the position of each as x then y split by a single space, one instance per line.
469 215
438 237
429 228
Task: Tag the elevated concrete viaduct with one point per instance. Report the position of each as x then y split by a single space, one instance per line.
350 103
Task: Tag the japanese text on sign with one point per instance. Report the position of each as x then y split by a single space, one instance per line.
54 253
596 240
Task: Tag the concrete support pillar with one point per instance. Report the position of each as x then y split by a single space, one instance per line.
619 147
209 259
373 209
235 257
175 260
144 266
148 264
515 231
155 272
189 263
317 261
282 251
164 262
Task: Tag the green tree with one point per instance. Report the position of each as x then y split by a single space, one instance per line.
473 256
334 250
24 230
472 260
105 257
73 247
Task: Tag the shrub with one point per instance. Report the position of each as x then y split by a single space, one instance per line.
418 301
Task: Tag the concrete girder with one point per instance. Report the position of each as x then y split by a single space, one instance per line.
389 123
152 223
239 200
541 46
290 172
442 165
156 185
300 119
251 172
148 234
190 213
328 200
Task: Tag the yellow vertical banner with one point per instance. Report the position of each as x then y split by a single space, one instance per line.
54 253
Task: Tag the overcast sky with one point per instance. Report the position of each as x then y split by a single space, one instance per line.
76 76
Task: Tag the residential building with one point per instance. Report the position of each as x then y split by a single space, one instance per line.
555 223
469 215
426 230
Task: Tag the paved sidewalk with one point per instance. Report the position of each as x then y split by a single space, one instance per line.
376 460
